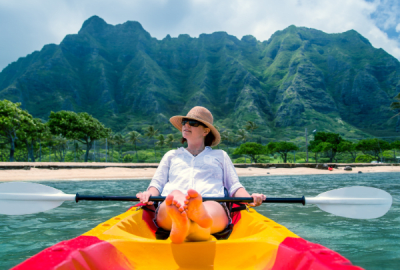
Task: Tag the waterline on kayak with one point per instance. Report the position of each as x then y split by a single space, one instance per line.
372 244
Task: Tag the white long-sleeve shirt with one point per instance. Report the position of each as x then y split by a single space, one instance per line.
207 173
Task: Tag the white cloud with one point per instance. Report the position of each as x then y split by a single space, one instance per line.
387 13
28 25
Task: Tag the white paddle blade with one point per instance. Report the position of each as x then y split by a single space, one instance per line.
354 202
26 207
21 198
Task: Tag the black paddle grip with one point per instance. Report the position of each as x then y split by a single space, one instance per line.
160 198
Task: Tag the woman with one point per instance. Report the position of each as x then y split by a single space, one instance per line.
187 175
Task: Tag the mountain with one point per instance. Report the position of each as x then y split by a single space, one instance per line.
299 78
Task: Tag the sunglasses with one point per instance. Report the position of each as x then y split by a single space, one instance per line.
192 123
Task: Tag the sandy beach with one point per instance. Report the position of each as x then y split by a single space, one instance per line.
113 173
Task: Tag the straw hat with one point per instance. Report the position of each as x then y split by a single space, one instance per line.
200 114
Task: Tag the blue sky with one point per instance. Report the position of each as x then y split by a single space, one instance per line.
27 25
387 18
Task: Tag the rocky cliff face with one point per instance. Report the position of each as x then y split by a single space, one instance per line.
299 78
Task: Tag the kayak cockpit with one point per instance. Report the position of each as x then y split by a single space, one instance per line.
141 225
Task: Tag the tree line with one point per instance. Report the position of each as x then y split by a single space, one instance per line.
18 126
18 129
325 145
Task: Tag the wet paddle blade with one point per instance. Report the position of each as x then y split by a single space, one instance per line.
354 202
21 198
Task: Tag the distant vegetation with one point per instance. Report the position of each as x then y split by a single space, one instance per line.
79 137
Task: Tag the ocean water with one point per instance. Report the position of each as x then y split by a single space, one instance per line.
371 244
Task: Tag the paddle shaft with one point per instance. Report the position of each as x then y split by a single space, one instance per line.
161 198
20 198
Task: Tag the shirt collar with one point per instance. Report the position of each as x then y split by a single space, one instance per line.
206 149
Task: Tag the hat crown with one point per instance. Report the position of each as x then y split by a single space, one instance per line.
201 113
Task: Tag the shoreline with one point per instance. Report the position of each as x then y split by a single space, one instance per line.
140 172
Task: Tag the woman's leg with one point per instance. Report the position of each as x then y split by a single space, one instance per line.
189 218
218 215
208 214
171 216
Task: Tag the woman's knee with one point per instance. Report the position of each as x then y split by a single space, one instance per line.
162 218
216 210
213 205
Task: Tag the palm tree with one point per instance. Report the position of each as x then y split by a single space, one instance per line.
151 132
224 135
47 141
50 142
111 143
77 150
170 140
161 141
119 140
242 136
228 136
60 147
250 126
133 137
396 106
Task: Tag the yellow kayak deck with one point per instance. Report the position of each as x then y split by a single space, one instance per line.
127 241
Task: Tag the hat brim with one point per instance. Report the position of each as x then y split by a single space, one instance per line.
176 121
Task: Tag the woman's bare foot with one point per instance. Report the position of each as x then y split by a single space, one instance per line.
180 220
195 209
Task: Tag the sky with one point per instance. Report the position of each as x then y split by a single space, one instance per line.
28 25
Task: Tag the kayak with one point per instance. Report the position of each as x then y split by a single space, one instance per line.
132 241
128 241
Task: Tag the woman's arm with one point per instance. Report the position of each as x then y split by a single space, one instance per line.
258 198
144 196
241 192
231 182
158 181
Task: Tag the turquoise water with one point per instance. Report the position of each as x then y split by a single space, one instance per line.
372 244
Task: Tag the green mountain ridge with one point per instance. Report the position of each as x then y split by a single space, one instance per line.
298 78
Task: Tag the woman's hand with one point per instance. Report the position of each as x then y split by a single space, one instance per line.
144 197
257 199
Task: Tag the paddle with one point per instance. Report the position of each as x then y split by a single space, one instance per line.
20 198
